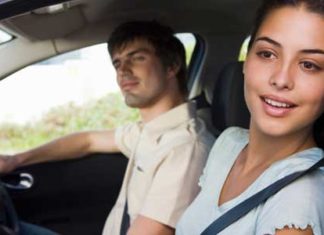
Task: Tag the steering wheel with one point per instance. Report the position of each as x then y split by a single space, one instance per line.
9 223
6 231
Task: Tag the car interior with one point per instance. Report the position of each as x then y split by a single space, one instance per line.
75 197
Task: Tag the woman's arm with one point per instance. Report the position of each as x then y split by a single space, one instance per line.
293 231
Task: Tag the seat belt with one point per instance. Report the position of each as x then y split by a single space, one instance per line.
247 205
201 101
125 220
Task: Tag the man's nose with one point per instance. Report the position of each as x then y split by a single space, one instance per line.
282 78
124 67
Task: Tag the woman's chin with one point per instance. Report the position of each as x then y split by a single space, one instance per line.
272 129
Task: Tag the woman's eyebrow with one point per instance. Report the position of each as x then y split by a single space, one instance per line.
305 51
312 51
269 40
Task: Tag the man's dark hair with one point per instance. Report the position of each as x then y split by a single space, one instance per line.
167 47
314 6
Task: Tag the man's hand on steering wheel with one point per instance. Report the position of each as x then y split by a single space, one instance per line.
7 163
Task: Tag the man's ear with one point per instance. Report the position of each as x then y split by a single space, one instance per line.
173 70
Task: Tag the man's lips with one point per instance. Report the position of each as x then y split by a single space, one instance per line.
127 85
277 106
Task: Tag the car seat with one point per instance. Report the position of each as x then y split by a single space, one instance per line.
228 105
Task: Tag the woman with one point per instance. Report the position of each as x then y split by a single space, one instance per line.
284 91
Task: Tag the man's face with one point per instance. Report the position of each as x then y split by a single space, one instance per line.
141 76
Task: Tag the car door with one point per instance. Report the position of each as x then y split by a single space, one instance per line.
71 197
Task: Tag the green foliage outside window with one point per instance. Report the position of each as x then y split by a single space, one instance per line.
105 113
244 49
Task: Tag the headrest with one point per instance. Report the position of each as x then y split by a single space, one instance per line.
228 105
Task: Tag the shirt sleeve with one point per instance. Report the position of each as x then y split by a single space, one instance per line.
126 137
298 206
175 183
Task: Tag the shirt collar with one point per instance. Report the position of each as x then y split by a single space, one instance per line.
170 119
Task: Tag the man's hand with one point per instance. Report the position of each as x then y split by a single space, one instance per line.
8 163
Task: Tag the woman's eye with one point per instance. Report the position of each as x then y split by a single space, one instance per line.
266 54
310 66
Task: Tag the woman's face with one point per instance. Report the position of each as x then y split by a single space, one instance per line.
284 72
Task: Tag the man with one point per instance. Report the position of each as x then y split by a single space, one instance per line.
167 149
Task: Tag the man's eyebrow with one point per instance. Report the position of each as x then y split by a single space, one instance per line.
131 53
269 40
138 50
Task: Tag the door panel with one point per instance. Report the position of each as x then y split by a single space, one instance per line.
71 197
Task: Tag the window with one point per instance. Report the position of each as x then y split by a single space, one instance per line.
244 49
189 42
4 37
71 92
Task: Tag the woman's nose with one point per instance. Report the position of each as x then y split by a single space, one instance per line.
282 79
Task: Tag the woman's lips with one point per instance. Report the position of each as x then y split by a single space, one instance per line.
276 106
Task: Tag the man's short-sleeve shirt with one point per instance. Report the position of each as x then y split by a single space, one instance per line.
166 158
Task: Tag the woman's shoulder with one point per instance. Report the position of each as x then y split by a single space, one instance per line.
230 139
233 134
226 147
300 204
308 187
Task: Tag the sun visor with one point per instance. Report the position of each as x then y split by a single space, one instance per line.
46 26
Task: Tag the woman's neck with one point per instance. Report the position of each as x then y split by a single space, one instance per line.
263 149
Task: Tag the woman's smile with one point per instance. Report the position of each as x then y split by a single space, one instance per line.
276 106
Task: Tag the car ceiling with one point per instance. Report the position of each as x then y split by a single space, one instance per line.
198 15
223 24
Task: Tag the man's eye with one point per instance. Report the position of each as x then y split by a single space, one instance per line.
307 65
138 58
116 65
266 54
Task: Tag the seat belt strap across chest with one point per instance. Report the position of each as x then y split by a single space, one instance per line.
125 221
247 205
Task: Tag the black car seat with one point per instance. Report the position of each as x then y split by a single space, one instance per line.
9 223
228 105
204 112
